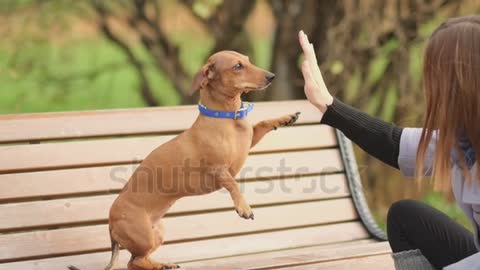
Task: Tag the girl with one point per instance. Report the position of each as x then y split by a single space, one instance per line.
447 147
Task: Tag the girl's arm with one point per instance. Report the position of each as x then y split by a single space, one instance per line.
375 136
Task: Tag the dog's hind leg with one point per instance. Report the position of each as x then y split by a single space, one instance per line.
142 239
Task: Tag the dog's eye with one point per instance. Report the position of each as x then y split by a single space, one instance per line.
238 66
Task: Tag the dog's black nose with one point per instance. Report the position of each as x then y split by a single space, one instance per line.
270 77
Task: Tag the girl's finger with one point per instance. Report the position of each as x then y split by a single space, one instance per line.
317 74
312 61
310 49
307 47
307 75
313 57
303 42
300 37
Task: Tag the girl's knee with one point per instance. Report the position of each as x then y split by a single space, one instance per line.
399 219
403 207
401 210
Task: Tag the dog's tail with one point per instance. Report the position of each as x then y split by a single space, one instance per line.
113 259
115 251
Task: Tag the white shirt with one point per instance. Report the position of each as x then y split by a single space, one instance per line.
466 195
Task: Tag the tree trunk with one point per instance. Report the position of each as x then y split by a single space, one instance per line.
291 16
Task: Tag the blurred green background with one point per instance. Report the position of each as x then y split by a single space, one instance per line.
64 55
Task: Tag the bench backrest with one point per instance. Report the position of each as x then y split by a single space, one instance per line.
60 172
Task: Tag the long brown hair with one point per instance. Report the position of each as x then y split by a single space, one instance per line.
451 82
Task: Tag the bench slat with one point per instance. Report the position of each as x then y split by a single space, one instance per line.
118 151
211 248
103 179
48 126
181 228
50 213
293 258
383 261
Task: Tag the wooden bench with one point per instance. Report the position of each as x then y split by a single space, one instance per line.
59 173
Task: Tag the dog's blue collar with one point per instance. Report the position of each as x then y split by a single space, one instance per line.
239 114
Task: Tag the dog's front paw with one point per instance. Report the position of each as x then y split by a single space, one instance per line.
245 211
169 266
288 120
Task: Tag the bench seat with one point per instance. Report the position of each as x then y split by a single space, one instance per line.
60 172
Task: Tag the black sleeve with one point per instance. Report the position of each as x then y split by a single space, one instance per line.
377 137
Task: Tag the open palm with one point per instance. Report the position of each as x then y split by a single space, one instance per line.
315 88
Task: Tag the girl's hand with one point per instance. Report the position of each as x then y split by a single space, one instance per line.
315 88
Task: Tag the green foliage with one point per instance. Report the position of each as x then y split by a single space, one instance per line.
45 13
374 103
193 51
389 103
204 8
383 102
81 74
380 221
438 201
379 64
353 87
261 55
43 75
415 62
336 67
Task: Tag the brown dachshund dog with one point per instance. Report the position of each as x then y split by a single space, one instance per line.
202 159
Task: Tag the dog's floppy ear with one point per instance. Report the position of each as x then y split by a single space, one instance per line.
203 76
